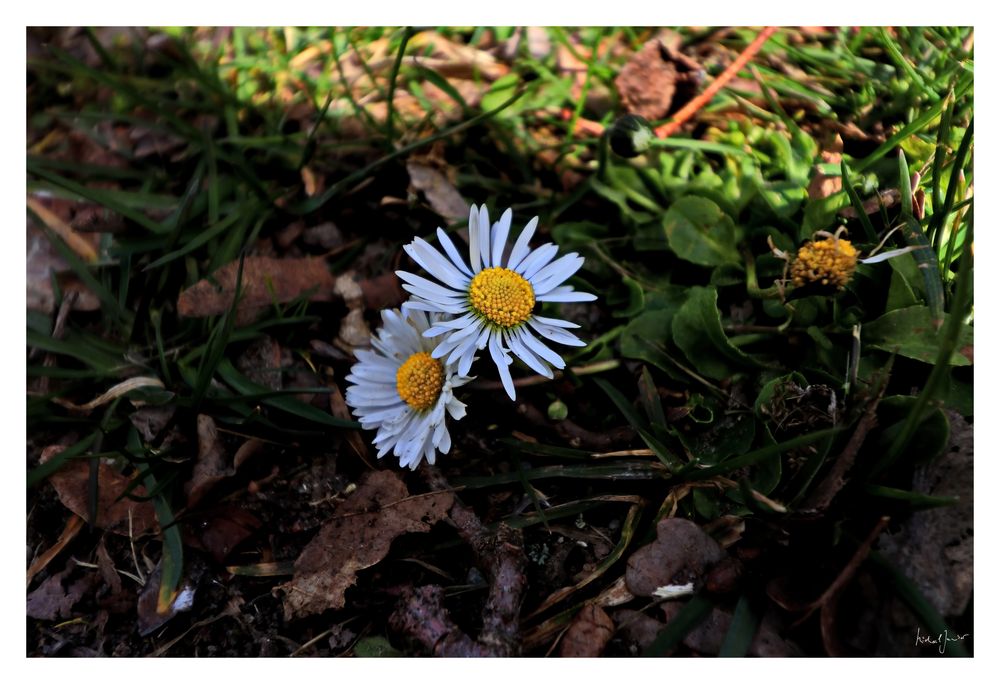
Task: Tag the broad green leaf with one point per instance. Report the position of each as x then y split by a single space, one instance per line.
931 436
697 331
910 332
375 647
699 231
730 435
901 294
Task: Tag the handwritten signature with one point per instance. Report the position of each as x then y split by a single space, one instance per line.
941 640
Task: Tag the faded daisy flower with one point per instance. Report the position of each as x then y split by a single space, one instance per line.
491 298
401 391
829 262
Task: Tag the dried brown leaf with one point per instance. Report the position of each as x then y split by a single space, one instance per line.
220 530
261 363
42 262
439 191
73 527
650 81
265 281
150 420
212 464
54 599
71 485
588 634
106 566
358 537
681 555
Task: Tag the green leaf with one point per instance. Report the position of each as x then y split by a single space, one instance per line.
375 647
699 231
731 434
742 629
930 437
901 293
697 331
910 332
917 500
647 336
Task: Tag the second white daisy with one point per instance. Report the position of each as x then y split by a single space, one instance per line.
399 390
493 296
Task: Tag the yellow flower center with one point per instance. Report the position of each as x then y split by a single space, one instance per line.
502 296
827 262
419 381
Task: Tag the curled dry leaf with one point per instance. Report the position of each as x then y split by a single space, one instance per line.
265 281
113 508
439 191
212 464
220 530
588 634
649 82
55 597
42 262
822 185
357 537
151 420
680 556
636 629
261 363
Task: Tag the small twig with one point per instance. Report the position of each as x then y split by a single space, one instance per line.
692 107
831 593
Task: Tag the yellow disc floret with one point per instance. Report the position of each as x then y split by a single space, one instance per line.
502 296
830 261
419 381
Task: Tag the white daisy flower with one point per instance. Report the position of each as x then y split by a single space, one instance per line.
399 389
492 298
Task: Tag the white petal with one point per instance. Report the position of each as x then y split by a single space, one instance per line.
521 248
555 322
521 351
474 239
500 232
556 273
536 346
536 260
420 305
452 252
436 264
890 254
484 235
428 286
556 334
566 295
502 360
465 361
454 324
456 409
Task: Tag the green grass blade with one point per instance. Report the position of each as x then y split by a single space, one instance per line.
741 632
690 616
